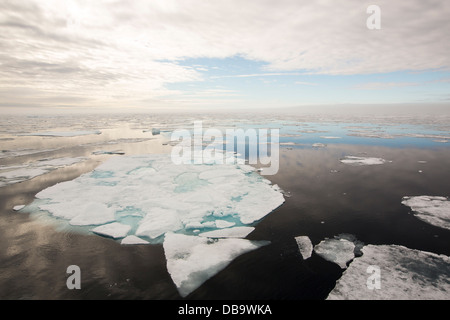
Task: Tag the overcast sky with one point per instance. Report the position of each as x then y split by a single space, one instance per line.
167 54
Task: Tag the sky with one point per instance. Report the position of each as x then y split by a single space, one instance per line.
192 54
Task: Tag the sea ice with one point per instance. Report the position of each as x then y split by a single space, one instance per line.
19 173
114 230
154 196
18 207
305 246
404 274
192 260
339 251
235 232
434 210
352 160
133 240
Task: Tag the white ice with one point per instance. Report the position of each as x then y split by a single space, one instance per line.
154 196
235 232
434 210
19 173
133 240
192 260
305 246
404 274
18 207
353 160
339 251
114 230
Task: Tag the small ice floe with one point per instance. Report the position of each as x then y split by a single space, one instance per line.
304 246
18 207
393 272
61 133
19 173
330 137
360 161
434 210
192 260
340 250
114 230
319 145
133 240
441 140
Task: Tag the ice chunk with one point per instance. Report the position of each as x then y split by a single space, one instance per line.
18 207
404 274
339 251
330 137
319 145
158 221
434 210
114 230
362 160
305 246
235 232
192 260
133 240
224 224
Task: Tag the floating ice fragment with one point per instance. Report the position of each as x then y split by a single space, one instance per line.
191 260
352 160
224 224
339 251
114 230
305 246
18 207
133 240
235 232
404 274
434 210
319 145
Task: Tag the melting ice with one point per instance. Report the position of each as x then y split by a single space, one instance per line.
150 195
431 209
405 274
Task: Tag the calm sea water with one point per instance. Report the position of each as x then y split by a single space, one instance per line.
324 198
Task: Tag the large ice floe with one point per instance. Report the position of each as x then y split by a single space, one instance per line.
153 196
201 213
393 272
434 210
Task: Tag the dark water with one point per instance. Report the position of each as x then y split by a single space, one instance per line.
327 198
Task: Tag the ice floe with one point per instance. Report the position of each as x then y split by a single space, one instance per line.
114 230
153 196
133 240
192 260
19 173
403 274
353 160
235 232
341 249
434 210
18 207
305 246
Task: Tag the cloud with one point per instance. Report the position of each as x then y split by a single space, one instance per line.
124 52
384 85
